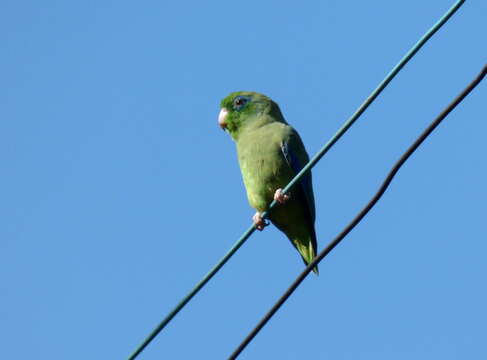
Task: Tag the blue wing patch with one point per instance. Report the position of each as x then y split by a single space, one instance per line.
305 183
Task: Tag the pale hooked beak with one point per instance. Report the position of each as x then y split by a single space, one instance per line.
222 117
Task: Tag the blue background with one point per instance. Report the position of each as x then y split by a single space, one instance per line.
119 191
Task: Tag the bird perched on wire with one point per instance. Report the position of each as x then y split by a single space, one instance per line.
270 154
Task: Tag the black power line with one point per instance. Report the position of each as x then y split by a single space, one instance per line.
361 214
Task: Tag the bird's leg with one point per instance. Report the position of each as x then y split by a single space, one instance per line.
259 222
280 197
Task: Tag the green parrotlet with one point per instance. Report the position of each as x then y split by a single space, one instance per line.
270 153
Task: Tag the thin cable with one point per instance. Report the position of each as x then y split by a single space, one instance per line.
193 292
308 167
373 95
360 215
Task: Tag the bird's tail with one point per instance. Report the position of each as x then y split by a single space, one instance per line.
307 252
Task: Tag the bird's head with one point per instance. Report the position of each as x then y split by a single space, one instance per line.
243 109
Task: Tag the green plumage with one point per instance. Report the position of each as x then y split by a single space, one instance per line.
270 153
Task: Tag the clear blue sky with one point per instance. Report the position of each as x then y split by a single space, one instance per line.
119 191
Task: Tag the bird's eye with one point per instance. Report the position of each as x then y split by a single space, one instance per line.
239 102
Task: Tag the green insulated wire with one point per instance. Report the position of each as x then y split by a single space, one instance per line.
308 167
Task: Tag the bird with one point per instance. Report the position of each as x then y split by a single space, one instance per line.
270 153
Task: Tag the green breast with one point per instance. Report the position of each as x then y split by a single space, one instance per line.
263 166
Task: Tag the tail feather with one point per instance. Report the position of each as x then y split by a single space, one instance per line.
307 253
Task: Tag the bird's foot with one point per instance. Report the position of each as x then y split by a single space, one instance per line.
280 197
259 222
